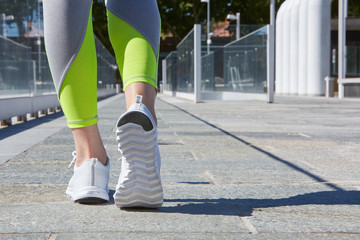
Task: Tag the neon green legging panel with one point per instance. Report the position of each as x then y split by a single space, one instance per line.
136 60
135 57
78 94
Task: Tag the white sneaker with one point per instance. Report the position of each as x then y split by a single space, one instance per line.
139 182
89 184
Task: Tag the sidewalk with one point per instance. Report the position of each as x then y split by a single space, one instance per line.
230 170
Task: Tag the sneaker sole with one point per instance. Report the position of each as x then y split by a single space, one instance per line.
91 200
89 196
142 185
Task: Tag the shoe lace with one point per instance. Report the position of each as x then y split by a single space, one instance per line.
74 158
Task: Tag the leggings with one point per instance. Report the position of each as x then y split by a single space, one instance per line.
134 31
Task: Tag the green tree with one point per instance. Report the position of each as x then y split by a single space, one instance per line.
353 8
179 16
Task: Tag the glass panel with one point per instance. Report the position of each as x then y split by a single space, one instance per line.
352 61
171 72
16 68
185 64
238 66
245 63
42 78
207 71
106 67
24 68
212 74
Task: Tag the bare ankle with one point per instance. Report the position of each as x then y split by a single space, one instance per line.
82 156
89 145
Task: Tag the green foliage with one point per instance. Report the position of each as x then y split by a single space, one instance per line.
179 16
100 24
353 8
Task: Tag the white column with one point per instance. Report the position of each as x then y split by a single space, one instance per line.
318 46
303 56
294 46
326 46
279 48
341 47
197 62
286 49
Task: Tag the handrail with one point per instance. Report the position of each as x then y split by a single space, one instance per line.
187 35
246 36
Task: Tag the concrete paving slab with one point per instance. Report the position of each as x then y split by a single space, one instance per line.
49 217
204 236
230 170
309 218
24 236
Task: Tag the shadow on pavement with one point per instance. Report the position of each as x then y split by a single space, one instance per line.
269 154
245 207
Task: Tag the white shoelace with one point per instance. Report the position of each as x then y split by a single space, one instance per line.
74 158
121 158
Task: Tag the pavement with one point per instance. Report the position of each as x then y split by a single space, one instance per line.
230 170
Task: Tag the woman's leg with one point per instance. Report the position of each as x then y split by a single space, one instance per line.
134 28
70 47
71 52
144 89
88 144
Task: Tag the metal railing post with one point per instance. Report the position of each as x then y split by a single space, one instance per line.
341 47
197 62
271 54
163 75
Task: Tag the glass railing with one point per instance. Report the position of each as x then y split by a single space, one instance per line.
245 66
23 72
43 83
352 60
207 71
212 72
106 67
239 66
16 68
171 72
185 64
24 68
